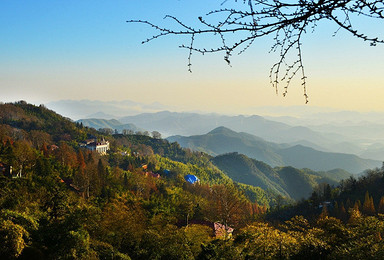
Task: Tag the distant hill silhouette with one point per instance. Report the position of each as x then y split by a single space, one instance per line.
223 140
172 123
104 123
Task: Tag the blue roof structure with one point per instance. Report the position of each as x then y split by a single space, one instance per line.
191 178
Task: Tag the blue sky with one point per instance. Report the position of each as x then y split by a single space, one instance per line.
52 50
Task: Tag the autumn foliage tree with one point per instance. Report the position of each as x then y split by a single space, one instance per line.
228 206
368 206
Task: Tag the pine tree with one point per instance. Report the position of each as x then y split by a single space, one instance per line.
90 158
357 205
255 209
44 149
80 160
348 204
324 212
355 214
8 154
336 210
380 208
343 212
125 182
366 203
368 206
265 208
327 192
101 172
372 206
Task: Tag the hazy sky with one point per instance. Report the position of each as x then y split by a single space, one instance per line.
53 50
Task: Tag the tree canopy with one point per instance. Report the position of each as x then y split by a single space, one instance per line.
133 203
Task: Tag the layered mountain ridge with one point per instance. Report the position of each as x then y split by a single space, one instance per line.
223 140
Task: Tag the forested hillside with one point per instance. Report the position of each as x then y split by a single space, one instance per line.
286 181
59 200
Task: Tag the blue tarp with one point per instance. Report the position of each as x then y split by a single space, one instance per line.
191 178
166 171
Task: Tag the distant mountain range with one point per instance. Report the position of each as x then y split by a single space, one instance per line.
76 109
187 124
223 140
299 154
339 137
363 139
112 123
362 132
172 123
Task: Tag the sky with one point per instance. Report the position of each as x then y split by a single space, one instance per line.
55 50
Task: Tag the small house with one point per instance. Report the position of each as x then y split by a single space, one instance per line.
222 231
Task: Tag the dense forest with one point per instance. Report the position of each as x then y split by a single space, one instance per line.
59 200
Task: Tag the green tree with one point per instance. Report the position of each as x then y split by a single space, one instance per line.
310 242
165 241
261 241
363 240
219 249
196 235
24 158
123 223
340 211
156 135
12 239
7 153
333 232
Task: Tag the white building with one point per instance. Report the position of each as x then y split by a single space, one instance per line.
100 147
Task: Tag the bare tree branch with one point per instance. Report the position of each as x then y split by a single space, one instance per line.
287 21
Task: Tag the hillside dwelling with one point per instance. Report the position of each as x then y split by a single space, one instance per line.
53 147
191 179
7 171
93 145
327 204
222 231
